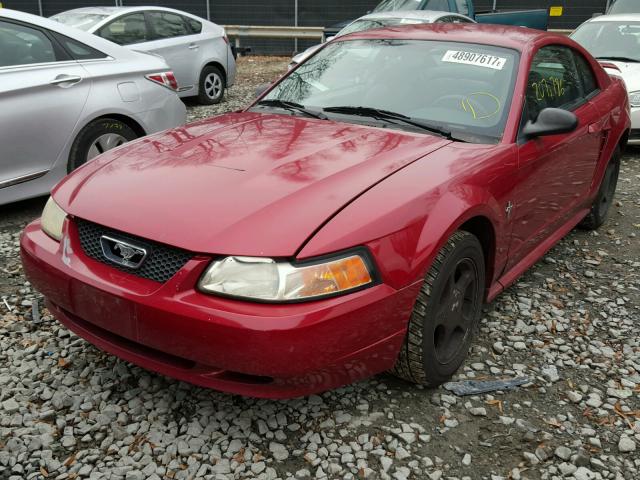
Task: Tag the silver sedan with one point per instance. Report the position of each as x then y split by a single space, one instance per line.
197 50
68 96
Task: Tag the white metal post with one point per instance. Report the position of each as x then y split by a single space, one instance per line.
208 10
40 8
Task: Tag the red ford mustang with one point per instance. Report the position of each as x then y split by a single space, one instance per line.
353 220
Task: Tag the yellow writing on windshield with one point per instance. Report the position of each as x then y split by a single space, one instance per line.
481 105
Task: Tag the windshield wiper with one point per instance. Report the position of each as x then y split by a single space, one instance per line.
394 116
619 59
292 106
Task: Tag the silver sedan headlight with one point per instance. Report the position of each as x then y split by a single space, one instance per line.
52 219
265 279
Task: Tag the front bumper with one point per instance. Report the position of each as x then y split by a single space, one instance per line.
262 350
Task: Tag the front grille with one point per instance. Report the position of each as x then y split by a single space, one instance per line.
162 261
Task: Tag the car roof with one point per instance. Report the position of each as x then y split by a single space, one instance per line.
119 10
618 17
516 38
410 14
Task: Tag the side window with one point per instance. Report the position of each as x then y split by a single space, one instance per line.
553 82
442 5
78 50
463 6
589 82
20 45
126 30
168 25
196 26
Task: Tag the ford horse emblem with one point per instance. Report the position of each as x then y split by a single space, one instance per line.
122 253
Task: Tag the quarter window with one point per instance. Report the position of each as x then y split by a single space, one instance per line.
196 26
126 30
78 50
589 82
20 45
553 81
168 25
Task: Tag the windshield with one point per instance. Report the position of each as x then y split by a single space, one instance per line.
465 88
624 6
369 24
82 21
614 40
398 5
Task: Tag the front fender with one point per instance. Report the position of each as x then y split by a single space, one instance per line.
405 219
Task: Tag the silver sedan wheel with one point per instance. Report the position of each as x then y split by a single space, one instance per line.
213 86
103 143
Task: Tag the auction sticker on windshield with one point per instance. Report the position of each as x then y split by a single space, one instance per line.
473 58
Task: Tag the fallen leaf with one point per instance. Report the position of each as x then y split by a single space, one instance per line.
70 460
494 403
553 422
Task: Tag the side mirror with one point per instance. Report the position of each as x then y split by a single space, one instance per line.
597 14
260 89
551 121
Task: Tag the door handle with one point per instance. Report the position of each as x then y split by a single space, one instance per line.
66 81
193 46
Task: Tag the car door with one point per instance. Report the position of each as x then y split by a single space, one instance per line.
42 93
173 38
554 172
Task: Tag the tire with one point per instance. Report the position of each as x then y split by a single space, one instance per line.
601 205
444 304
97 137
211 86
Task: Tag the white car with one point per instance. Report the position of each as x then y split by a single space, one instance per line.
387 19
197 50
68 96
614 40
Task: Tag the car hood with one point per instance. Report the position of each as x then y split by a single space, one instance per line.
629 71
242 183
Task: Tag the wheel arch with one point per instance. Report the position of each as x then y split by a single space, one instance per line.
624 139
481 219
481 227
217 64
130 122
127 120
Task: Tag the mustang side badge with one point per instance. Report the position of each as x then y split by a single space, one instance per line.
122 253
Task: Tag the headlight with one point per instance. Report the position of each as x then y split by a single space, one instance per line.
269 280
52 219
634 99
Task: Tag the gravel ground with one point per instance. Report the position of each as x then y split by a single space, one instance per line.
571 324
